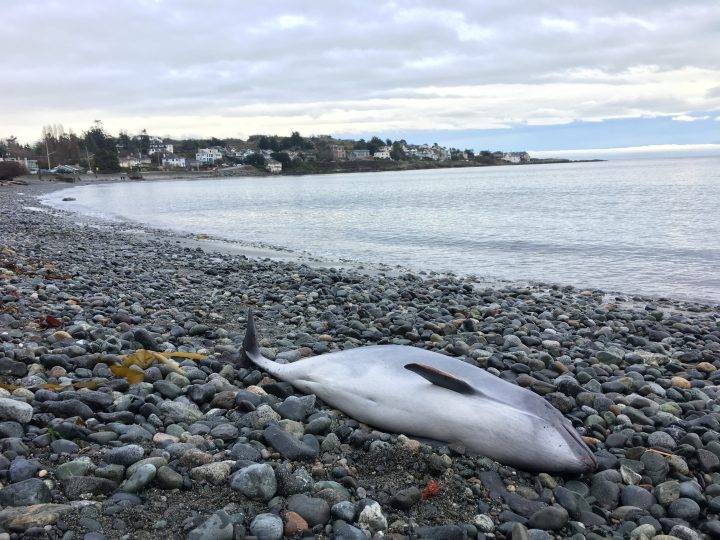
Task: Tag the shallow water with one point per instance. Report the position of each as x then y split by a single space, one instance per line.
636 226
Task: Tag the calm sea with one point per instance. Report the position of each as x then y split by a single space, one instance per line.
635 226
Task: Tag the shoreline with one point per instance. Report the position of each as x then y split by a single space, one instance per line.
638 378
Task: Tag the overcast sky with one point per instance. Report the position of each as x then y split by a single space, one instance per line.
511 74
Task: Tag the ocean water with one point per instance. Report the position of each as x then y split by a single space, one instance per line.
633 226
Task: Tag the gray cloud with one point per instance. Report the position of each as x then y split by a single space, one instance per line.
187 67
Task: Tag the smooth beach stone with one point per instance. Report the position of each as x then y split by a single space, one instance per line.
25 493
267 527
256 482
77 467
19 411
140 478
219 526
167 478
124 455
313 510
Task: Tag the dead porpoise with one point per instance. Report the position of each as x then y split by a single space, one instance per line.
412 391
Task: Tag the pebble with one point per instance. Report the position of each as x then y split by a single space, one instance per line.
372 518
18 411
124 455
267 527
140 478
256 482
313 510
25 493
632 373
219 526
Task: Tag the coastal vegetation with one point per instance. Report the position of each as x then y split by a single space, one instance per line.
11 169
96 150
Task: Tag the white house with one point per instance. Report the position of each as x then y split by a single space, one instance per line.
129 162
273 166
359 154
159 147
174 161
516 157
208 155
382 153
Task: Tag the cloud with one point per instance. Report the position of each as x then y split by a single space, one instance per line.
219 69
688 118
563 25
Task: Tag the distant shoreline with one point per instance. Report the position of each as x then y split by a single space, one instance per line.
331 167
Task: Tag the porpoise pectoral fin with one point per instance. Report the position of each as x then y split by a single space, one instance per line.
441 378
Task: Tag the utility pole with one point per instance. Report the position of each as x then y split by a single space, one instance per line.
47 151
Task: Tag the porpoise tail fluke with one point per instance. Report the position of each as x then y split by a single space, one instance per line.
251 350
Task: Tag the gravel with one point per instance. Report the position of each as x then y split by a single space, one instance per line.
214 448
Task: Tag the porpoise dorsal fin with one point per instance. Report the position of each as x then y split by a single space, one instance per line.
441 378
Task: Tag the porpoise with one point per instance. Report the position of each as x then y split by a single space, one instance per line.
408 390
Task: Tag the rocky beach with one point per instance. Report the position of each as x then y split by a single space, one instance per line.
102 436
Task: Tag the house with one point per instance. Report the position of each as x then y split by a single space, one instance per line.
129 162
273 166
359 154
382 153
159 147
338 152
171 160
208 155
516 157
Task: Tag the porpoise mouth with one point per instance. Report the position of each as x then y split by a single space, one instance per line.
584 454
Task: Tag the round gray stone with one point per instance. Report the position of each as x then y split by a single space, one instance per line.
124 455
256 482
12 409
267 527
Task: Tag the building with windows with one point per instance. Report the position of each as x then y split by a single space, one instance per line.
173 161
208 155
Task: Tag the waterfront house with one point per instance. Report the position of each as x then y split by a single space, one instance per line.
208 155
359 154
129 162
273 166
173 161
160 148
516 157
338 152
382 153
